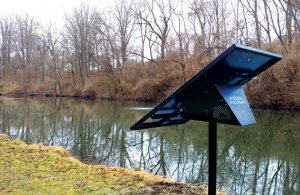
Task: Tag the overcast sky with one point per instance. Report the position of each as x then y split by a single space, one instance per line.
44 10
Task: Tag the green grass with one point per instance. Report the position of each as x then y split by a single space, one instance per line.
36 169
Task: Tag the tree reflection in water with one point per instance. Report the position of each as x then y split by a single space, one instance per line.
261 158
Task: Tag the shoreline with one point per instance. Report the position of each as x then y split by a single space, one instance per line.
26 168
36 168
273 107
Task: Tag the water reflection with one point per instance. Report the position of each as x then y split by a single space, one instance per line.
262 158
140 108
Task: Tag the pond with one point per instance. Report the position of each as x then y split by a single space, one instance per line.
262 158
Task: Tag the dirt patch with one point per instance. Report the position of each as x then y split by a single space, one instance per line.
169 188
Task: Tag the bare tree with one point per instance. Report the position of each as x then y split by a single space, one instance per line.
25 44
79 37
288 10
213 19
50 38
42 50
276 22
109 52
142 28
158 20
182 38
252 7
198 16
124 18
266 16
7 30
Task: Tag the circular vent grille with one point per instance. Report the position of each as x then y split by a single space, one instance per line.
222 113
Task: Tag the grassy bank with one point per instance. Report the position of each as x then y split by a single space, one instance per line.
37 169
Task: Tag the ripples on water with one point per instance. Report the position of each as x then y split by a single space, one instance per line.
140 108
262 158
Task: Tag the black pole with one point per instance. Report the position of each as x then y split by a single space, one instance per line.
212 158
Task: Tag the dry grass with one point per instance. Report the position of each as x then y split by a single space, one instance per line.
279 85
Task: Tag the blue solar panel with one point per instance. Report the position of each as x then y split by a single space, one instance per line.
215 93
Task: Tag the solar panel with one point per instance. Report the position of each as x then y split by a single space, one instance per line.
215 93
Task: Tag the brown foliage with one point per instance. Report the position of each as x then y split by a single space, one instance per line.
278 86
89 92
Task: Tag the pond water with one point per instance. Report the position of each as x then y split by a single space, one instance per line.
262 158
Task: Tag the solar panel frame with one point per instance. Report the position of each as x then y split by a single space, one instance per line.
274 58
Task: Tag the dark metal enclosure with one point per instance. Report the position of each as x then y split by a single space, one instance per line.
215 93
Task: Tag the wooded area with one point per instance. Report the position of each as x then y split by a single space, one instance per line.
146 49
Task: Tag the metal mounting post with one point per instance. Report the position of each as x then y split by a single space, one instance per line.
212 158
215 94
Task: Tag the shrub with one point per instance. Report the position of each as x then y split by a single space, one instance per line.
90 92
